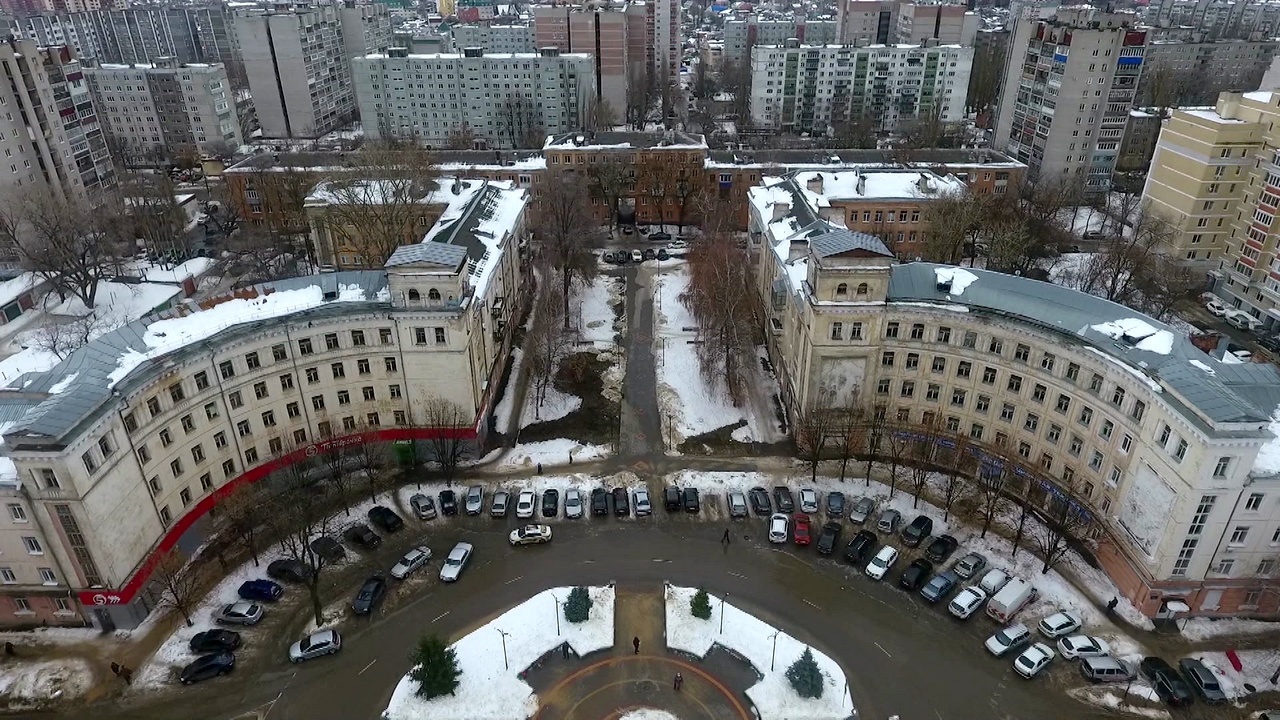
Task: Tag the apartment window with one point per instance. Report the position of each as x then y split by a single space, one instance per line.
202 380
855 331
313 375
390 364
1032 422
953 424
286 381
995 347
300 436
908 388
957 398
1107 429
891 330
1022 353
1181 452
943 335
32 545
1007 412
228 468
1095 384
338 370
292 410
384 336
211 410
1063 404
130 423
275 445
304 346
344 397
1253 503
400 417
1139 409
440 338
235 400
250 455
917 331
260 390
317 402
1095 462
243 429
394 391
324 428
269 418
1165 433
7 575
1015 384
331 341
1054 434
368 393
185 497
362 366
251 361
220 440
1076 445
1024 449
970 339
153 406
175 467
226 369
913 361
420 336
372 419
837 330
988 376
1126 443
939 364
1047 361
1073 372
932 393
1117 397
197 453
278 353
1039 392
982 404
357 338
188 425
21 606
17 513
886 358
165 438
1220 470
883 387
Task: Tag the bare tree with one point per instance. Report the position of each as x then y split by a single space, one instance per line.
954 223
900 443
372 460
813 428
298 517
984 82
990 487
448 421
62 339
243 511
158 222
178 583
719 296
924 451
1131 269
849 434
337 475
953 481
461 137
547 342
875 427
1024 512
857 131
639 96
567 233
1064 520
610 179
520 119
599 115
735 79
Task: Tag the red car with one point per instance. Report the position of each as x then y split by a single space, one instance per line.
801 529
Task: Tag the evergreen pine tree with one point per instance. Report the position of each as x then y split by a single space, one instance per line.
435 667
805 677
700 606
578 607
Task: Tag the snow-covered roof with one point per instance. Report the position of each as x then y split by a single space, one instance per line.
1262 96
1211 115
621 140
376 192
15 288
482 218
884 185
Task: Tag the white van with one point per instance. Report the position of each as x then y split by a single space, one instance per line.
1012 597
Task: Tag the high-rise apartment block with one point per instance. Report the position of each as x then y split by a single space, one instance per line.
798 88
1214 18
1200 70
165 108
298 63
742 34
602 32
945 24
1069 83
493 38
869 21
438 99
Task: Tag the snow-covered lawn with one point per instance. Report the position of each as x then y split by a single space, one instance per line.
27 685
1112 696
552 452
1256 668
487 688
1210 628
595 308
554 406
754 639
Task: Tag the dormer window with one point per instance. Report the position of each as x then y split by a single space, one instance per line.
414 296
862 289
433 294
842 291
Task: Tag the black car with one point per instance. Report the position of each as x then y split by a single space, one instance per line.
208 666
1271 343
660 236
260 590
648 254
288 570
828 538
941 548
361 535
369 595
448 502
599 501
385 518
328 549
621 504
671 498
1168 683
835 505
214 641
860 547
782 498
917 531
914 577
691 503
663 254
760 504
550 502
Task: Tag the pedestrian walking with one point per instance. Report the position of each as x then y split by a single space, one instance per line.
570 458
725 539
635 642
539 468
679 681
1111 606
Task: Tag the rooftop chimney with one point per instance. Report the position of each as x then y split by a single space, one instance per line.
780 210
815 184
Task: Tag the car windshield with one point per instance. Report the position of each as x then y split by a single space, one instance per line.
1026 661
1004 637
307 644
454 560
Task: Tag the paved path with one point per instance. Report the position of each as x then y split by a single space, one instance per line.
640 428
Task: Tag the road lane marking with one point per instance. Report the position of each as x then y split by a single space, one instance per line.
446 612
366 667
513 580
744 577
886 652
815 607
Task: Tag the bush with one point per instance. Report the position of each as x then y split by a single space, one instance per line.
805 677
578 608
700 605
435 668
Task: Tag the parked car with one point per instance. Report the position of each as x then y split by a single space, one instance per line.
637 256
783 500
917 531
456 562
835 505
423 506
641 498
361 535
1082 646
475 500
1215 308
800 529
648 254
621 506
672 500
1271 342
808 501
1033 660
663 254
318 643
863 507
525 504
573 503
940 586
240 613
888 522
500 504
1202 680
660 236
966 602
941 548
778 528
1168 684
411 561
881 563
914 577
1008 639
214 641
550 502
385 518
1104 668
599 501
829 538
288 570
737 505
369 595
208 666
262 590
691 502
530 535
860 547
760 503
448 502
1059 624
969 565
994 580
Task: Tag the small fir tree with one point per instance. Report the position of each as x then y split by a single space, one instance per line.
578 608
700 606
805 677
435 668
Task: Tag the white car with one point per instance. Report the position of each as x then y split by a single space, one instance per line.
1033 660
881 563
641 500
573 503
966 602
677 245
1082 646
526 504
411 561
457 560
1059 624
1215 308
777 528
993 581
475 500
320 642
530 535
808 501
637 256
1011 637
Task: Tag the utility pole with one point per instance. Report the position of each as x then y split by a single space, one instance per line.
504 635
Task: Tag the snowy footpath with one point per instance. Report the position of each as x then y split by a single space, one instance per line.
490 689
753 639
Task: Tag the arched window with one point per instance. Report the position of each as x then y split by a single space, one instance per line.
433 294
842 291
862 288
414 296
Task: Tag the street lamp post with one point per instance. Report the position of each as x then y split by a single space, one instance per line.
723 599
504 635
557 608
773 655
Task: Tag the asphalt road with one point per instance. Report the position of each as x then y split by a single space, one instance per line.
900 655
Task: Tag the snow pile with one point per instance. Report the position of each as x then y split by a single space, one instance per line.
597 313
26 685
648 714
1138 332
553 452
1113 697
959 278
486 688
63 384
554 406
1203 366
1268 460
1201 628
1256 668
754 640
502 413
120 303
